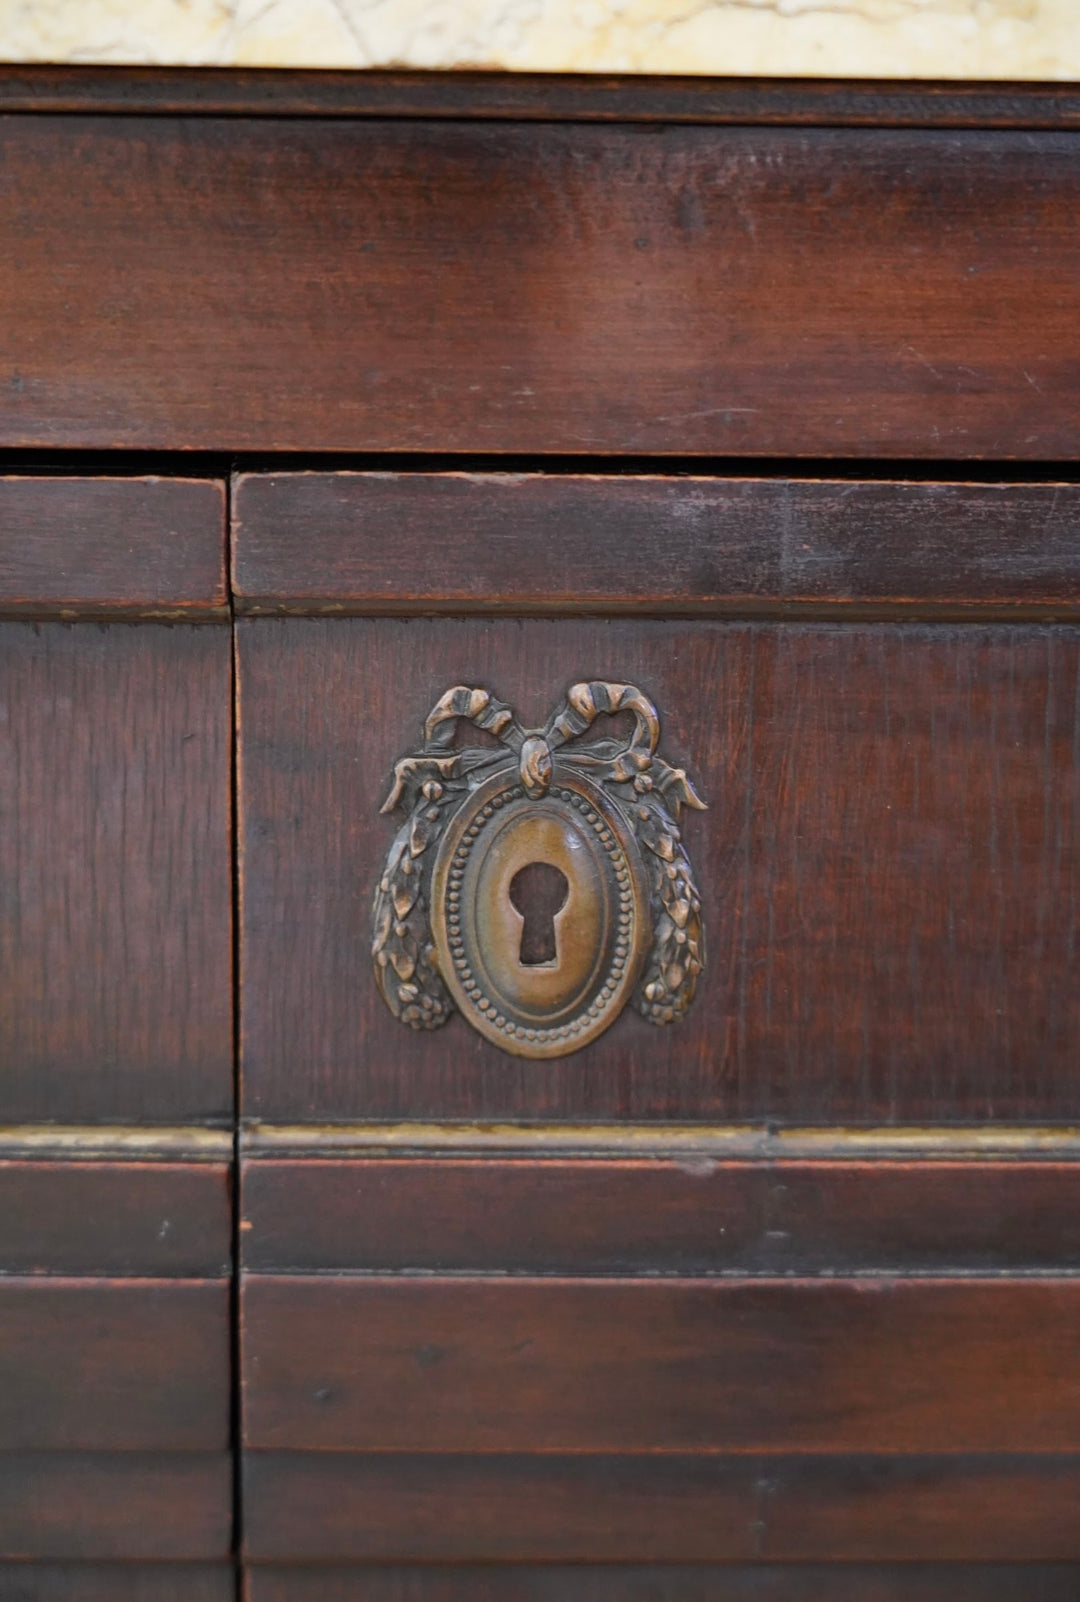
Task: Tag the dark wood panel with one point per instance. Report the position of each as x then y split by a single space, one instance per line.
155 1219
125 1582
539 288
371 542
890 870
115 942
690 1215
512 1365
336 1507
156 1507
845 1582
128 1365
578 97
94 546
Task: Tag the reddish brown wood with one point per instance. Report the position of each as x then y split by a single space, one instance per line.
890 863
126 1365
155 1219
115 940
124 1582
370 542
890 869
844 1582
336 1507
100 546
516 1365
694 1215
106 1507
577 97
539 288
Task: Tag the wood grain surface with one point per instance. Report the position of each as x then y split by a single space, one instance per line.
115 1506
379 285
843 1582
101 546
336 1507
155 1219
121 1582
374 1363
575 97
126 1365
693 1215
891 863
369 542
115 918
890 870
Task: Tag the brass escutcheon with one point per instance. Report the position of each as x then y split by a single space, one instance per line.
538 885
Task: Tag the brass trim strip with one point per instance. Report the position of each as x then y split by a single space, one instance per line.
735 1142
661 1140
129 1141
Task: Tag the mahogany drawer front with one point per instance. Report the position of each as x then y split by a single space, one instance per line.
576 288
115 1405
115 926
92 1507
888 869
115 923
691 1212
114 1420
392 1364
128 1366
114 1425
143 1217
514 1419
660 1507
456 1359
119 1582
650 543
115 959
85 547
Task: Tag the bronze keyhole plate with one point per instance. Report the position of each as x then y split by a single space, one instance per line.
537 886
540 1010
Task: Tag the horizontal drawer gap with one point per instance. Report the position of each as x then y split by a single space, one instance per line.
795 1276
548 97
506 610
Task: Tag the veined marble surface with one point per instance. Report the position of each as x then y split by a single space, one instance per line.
991 39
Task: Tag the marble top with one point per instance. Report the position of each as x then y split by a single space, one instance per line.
979 39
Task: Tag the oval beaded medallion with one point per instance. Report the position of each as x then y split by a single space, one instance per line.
546 1005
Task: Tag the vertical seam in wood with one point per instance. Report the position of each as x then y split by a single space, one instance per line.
746 871
234 856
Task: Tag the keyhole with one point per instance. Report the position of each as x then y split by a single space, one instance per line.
538 891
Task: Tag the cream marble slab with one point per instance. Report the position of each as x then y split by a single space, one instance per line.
989 39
